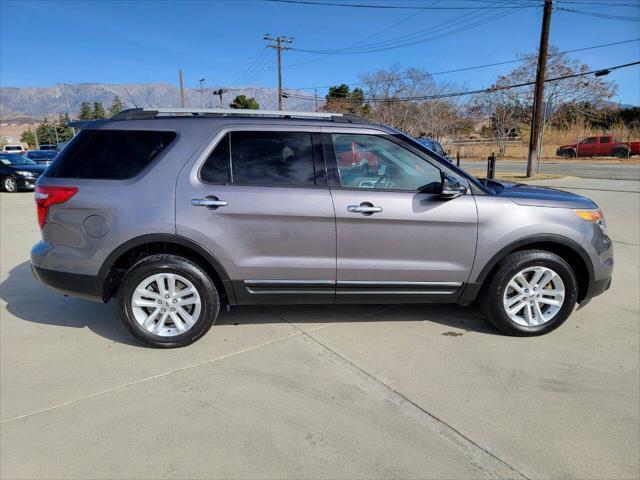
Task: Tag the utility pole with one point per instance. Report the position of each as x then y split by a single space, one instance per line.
279 45
35 132
315 95
538 101
181 88
202 92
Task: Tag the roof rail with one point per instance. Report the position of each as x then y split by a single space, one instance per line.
149 113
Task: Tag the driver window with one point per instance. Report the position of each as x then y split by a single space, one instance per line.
373 162
589 140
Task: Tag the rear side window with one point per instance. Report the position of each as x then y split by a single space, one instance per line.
272 159
109 154
604 139
217 168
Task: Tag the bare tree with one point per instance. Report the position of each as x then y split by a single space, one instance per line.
396 98
561 97
564 99
505 112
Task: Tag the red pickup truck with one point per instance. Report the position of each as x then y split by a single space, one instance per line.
599 146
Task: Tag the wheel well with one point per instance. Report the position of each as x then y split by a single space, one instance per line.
133 255
573 258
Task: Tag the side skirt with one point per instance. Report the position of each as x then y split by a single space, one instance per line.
287 292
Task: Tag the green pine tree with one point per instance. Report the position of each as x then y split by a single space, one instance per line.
85 111
29 138
98 110
64 132
116 106
242 101
46 133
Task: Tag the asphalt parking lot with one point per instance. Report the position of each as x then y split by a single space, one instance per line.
586 168
317 391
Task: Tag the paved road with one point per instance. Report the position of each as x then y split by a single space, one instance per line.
320 392
586 169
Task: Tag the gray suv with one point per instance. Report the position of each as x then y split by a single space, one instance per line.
181 213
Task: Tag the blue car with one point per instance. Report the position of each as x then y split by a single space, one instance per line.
434 146
18 172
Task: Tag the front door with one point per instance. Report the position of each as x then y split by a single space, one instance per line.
397 239
257 199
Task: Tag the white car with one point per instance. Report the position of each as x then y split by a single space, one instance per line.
13 149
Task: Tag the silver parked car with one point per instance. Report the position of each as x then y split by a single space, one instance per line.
180 213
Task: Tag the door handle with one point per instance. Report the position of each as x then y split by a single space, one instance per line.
364 208
209 202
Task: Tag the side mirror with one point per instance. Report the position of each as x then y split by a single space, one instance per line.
451 188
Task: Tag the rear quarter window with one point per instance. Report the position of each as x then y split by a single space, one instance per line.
109 154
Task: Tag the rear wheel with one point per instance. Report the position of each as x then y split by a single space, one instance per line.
9 184
621 153
531 293
167 301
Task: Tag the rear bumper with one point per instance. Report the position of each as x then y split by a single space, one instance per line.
83 286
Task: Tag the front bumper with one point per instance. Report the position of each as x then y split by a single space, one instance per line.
84 286
26 183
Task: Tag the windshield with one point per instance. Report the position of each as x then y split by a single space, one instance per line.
46 155
13 148
16 160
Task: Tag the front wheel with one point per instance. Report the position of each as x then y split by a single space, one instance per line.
531 293
9 184
167 301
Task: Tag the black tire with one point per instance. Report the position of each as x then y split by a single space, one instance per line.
621 153
154 264
491 300
569 154
9 185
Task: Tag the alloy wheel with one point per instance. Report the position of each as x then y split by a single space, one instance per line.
166 304
10 184
534 296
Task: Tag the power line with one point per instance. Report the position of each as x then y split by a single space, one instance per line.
390 7
601 71
599 15
475 67
257 59
380 32
417 37
600 4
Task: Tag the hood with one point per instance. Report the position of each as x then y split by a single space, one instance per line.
542 196
30 168
568 145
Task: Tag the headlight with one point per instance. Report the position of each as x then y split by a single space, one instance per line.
593 216
25 174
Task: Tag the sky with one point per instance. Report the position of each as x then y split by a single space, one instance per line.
111 41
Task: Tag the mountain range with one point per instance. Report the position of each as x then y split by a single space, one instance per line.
19 104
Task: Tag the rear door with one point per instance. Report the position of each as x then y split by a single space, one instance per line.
397 240
604 146
258 200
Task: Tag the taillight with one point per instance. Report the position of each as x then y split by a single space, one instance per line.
47 196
